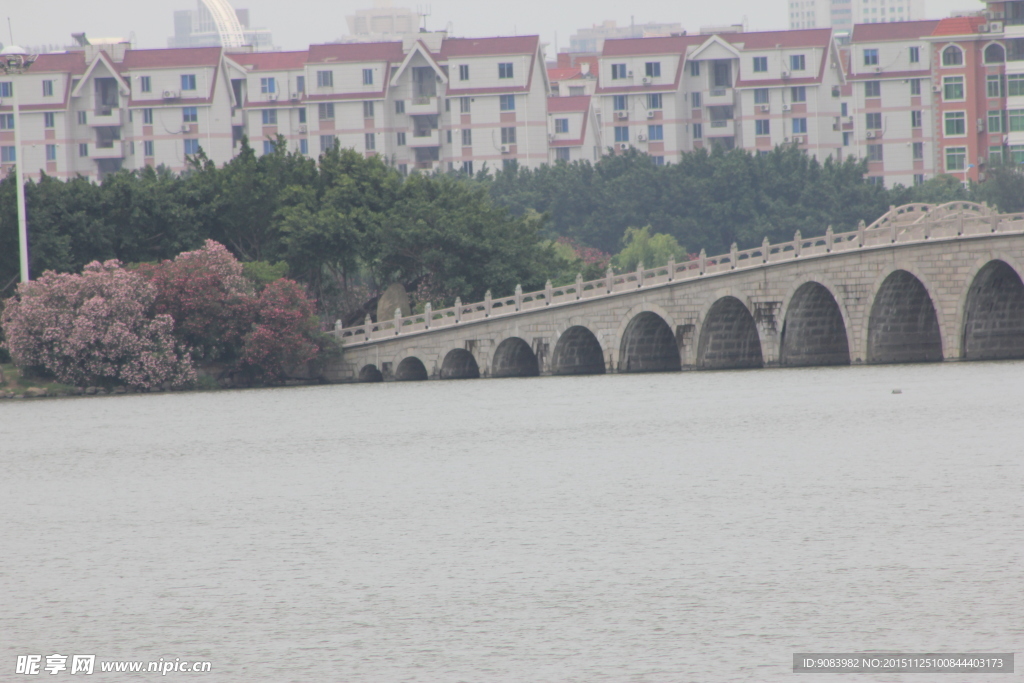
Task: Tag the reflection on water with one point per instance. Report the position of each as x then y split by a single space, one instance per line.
668 527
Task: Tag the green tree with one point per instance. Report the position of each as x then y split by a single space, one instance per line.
640 246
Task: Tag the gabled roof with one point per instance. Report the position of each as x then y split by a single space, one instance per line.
481 47
356 52
958 26
66 62
105 60
420 48
763 40
270 61
711 41
566 74
896 30
669 45
560 105
170 58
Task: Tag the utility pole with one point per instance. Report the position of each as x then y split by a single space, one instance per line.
14 63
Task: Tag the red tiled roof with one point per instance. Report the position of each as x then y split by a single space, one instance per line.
897 30
624 47
761 40
271 61
557 74
171 57
558 105
356 52
478 47
958 26
67 62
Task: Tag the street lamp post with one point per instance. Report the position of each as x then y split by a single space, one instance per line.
12 62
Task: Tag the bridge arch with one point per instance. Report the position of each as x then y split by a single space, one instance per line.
903 324
370 373
577 352
411 369
815 329
646 341
991 315
729 337
513 357
459 364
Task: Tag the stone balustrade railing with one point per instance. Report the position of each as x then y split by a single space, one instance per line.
905 224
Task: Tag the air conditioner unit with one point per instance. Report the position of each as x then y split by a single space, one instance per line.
787 107
983 28
295 96
986 14
504 149
551 136
641 137
936 88
623 146
765 108
646 80
981 125
170 94
878 69
622 115
630 74
650 114
785 74
798 139
303 128
186 128
870 135
995 27
272 97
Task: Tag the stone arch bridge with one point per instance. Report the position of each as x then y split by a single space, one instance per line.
922 283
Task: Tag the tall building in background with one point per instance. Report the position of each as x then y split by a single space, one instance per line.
841 15
199 28
381 23
592 39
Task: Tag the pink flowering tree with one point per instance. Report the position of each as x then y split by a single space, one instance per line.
97 328
284 335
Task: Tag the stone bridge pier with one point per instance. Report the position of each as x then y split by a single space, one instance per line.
922 284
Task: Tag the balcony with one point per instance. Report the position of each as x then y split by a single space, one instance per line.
721 127
428 138
719 95
423 106
109 150
105 116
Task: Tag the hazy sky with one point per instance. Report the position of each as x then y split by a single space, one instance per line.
297 23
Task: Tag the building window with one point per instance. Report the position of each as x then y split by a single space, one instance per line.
302 115
874 152
82 118
1015 85
189 115
871 57
145 84
995 156
762 127
464 105
147 148
268 85
698 131
799 126
915 55
51 152
919 178
872 88
562 154
6 121
400 139
695 68
918 151
325 79
8 155
760 64
507 102
798 94
505 70
404 169
796 63
847 138
876 180
147 116
995 122
956 158
652 69
915 86
268 147
300 84
561 125
621 133
370 141
761 95
654 101
994 54
952 88
303 146
47 88
508 136
463 72
655 132
448 136
618 71
368 109
188 81
658 160
399 106
952 56
326 111
467 136
83 149
49 120
915 119
326 142
956 123
6 89
1016 154
367 76
191 146
269 117
1015 118
994 85
695 100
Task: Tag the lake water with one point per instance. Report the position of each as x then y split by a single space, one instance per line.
669 527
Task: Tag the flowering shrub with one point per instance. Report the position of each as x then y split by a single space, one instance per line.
211 301
284 334
97 328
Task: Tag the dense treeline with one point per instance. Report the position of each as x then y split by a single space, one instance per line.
345 226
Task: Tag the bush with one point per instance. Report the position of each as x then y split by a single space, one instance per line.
97 328
284 334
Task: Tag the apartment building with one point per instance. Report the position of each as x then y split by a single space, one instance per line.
843 15
573 130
